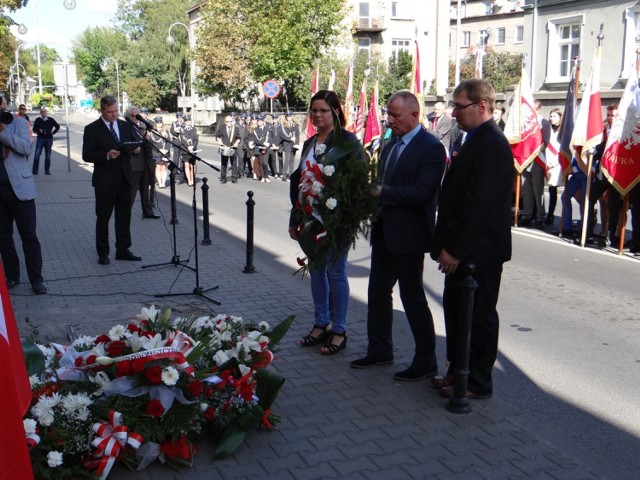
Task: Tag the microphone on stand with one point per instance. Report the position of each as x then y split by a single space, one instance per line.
146 123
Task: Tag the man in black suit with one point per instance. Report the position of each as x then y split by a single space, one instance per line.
412 164
229 135
107 144
474 226
439 124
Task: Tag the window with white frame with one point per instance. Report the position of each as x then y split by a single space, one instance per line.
564 46
466 39
364 45
500 36
400 9
400 44
519 37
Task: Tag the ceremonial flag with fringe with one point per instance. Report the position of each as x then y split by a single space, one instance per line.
565 132
621 158
348 101
15 400
522 129
372 132
587 133
415 86
362 110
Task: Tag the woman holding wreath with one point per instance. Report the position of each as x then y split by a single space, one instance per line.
330 197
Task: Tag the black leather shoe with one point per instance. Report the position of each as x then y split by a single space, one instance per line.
12 283
440 381
39 288
104 260
366 362
447 392
47 173
150 215
127 255
413 375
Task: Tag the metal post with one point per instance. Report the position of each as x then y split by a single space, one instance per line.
458 402
249 268
172 188
205 212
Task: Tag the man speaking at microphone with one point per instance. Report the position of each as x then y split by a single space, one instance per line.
108 144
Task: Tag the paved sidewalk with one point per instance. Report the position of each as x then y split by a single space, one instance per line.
337 422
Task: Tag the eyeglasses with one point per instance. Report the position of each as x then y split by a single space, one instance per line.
458 107
315 111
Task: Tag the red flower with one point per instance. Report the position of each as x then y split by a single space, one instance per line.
178 448
103 339
153 375
116 348
132 327
78 362
308 210
195 388
209 414
137 365
301 261
123 368
91 359
262 359
155 408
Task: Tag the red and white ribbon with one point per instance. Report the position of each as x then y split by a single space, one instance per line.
111 440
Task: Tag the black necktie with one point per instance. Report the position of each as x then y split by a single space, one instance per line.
113 132
393 158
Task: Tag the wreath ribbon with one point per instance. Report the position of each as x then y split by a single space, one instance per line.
112 438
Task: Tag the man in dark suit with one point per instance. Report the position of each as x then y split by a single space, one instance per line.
439 124
229 135
105 144
412 164
474 226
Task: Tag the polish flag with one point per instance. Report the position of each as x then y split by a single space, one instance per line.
415 86
620 162
15 400
522 129
587 133
372 128
362 107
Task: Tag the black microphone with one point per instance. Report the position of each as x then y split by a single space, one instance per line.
147 124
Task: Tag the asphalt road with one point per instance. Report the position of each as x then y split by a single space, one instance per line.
570 330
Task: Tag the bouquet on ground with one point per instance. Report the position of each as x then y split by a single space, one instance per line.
148 390
336 202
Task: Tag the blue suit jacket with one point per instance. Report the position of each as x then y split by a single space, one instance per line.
408 200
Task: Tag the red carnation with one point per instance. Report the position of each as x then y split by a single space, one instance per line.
153 375
103 339
132 327
155 408
137 365
195 388
78 362
123 368
91 359
209 414
308 210
116 348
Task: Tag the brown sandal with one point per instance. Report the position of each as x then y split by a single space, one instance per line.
330 348
311 340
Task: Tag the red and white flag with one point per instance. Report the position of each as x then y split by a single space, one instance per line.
522 129
311 130
372 129
621 158
15 462
587 132
348 101
362 111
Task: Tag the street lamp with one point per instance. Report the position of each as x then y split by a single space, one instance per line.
19 91
171 41
104 65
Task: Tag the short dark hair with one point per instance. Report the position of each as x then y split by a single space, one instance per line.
107 100
478 90
333 101
612 107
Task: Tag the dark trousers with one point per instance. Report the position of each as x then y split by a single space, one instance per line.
108 201
46 144
288 163
147 187
226 162
23 213
387 268
598 188
484 325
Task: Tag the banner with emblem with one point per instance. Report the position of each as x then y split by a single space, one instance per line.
621 158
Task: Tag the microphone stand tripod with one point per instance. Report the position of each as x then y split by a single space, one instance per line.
198 290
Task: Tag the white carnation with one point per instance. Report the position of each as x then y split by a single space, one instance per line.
220 357
320 148
54 459
329 170
317 187
264 326
331 203
116 332
170 376
29 425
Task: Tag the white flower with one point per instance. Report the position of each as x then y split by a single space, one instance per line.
320 148
43 412
84 341
135 341
329 170
244 369
34 380
29 426
154 342
105 360
73 404
203 407
264 326
116 332
54 459
150 313
220 357
331 203
170 376
317 187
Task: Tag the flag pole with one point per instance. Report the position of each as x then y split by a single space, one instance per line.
517 206
586 209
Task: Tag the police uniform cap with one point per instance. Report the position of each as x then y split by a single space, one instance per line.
260 116
187 117
158 119
383 110
289 113
234 114
144 110
178 114
274 116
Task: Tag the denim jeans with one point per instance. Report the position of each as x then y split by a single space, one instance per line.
41 143
330 292
577 182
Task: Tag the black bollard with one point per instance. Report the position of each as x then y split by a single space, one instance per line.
249 268
458 402
206 240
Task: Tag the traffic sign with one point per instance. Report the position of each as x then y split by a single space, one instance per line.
86 103
271 89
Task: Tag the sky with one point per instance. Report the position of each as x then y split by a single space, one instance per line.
58 26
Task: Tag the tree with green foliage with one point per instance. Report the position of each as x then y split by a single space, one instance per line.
501 69
48 56
142 92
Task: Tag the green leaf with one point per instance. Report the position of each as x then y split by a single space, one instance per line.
33 357
279 331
